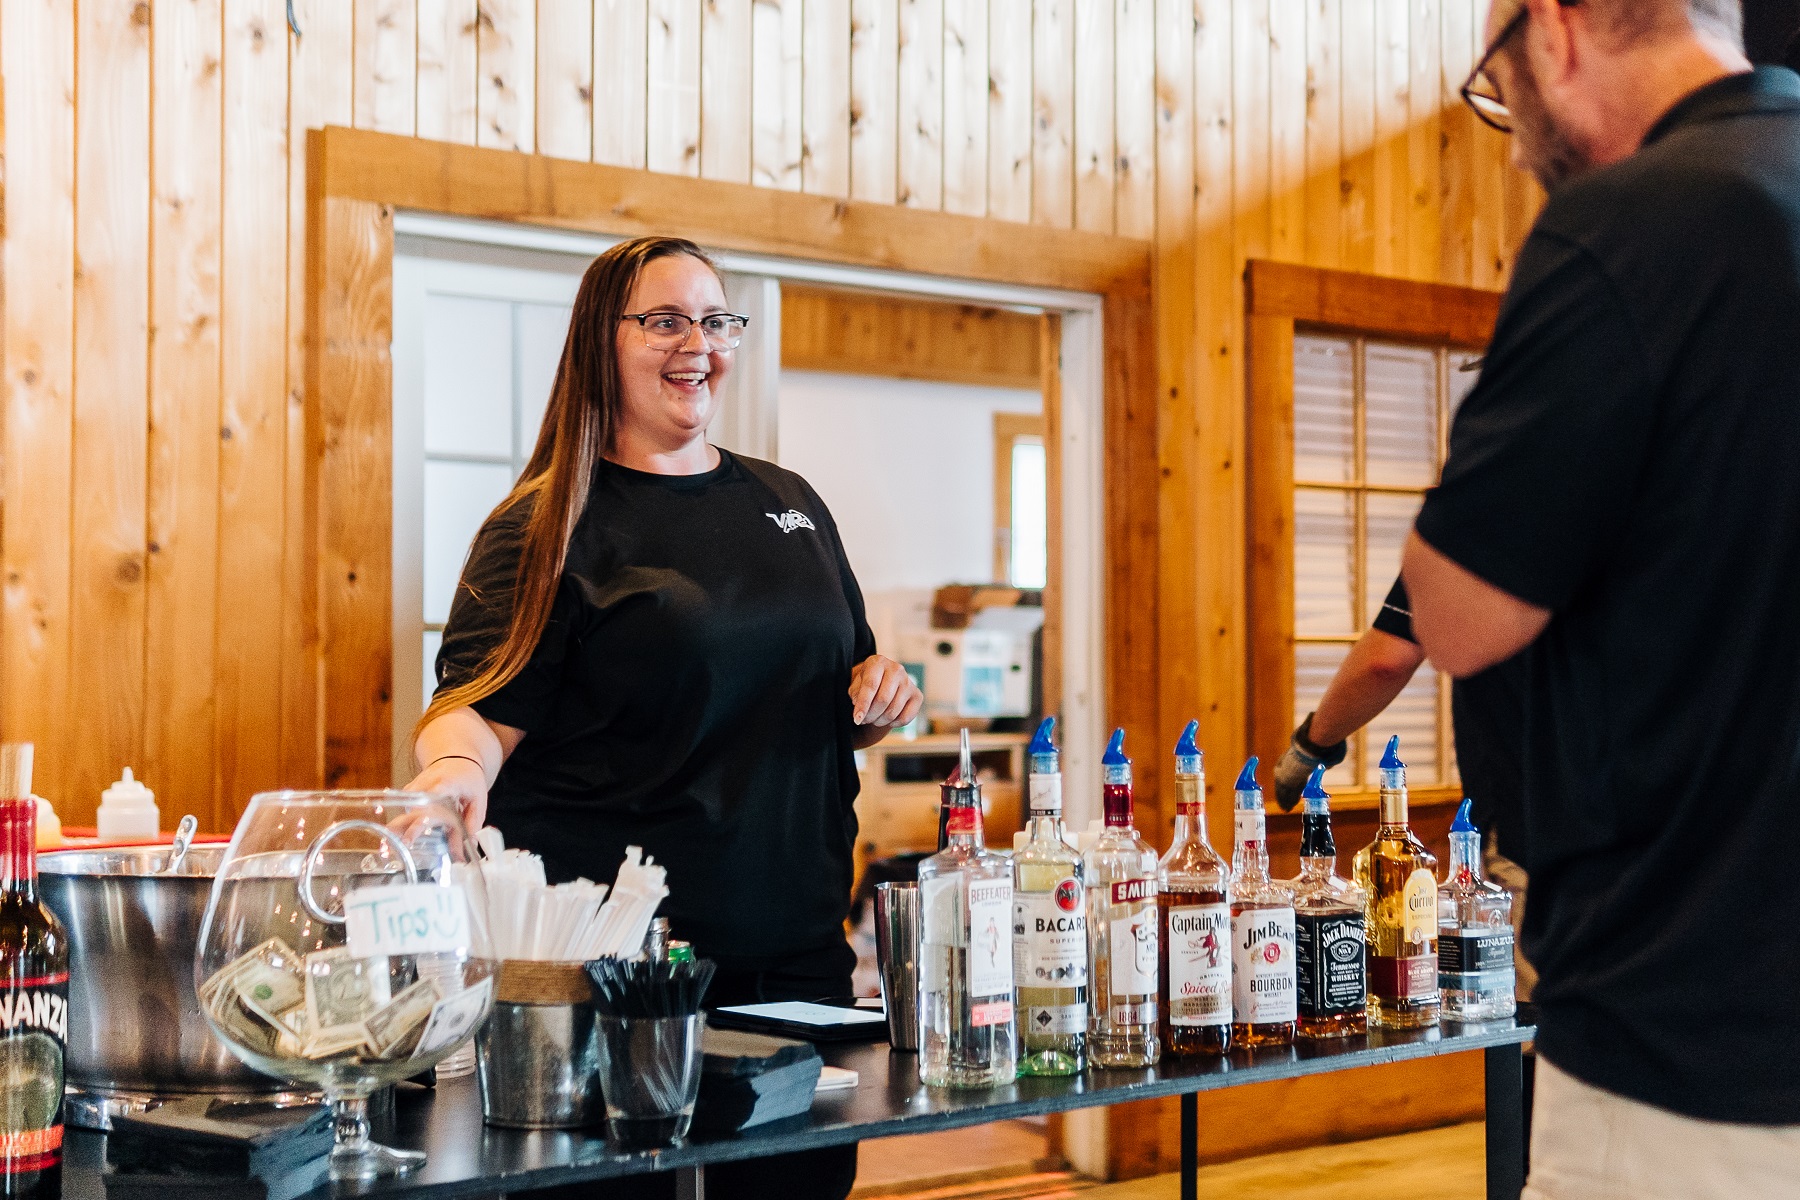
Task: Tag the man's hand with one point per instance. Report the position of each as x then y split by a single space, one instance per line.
1296 766
882 695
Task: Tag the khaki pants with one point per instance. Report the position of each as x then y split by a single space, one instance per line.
1588 1144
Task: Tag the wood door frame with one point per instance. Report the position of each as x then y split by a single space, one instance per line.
357 179
1280 299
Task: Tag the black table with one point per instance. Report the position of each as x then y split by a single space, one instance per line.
469 1159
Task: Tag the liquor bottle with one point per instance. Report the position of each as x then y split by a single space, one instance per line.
1120 871
1330 951
1263 984
1050 953
34 998
1475 933
1399 876
966 1026
1194 911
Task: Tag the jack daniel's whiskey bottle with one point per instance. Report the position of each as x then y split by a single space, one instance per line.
34 998
1399 876
1329 940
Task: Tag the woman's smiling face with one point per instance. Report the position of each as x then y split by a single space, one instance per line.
670 396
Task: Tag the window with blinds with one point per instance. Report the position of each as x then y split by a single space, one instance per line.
1370 423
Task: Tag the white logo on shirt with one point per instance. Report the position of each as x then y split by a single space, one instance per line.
791 520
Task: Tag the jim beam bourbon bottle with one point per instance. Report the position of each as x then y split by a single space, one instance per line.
966 1026
1194 903
1399 876
1330 947
1263 982
34 998
1120 871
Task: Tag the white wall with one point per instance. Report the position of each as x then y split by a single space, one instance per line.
907 469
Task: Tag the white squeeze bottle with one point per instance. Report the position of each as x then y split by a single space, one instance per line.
127 811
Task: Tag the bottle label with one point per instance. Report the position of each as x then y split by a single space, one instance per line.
34 1032
1199 965
990 949
1418 913
1250 825
1133 1014
1262 952
1050 937
1330 956
1411 978
1046 793
963 818
1476 959
940 911
1134 950
1131 891
1053 1019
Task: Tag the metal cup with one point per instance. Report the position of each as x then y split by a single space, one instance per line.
539 1066
897 952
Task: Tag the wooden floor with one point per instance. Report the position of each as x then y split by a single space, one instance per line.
1438 1164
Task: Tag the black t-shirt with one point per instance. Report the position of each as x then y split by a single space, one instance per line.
1486 712
1630 461
690 695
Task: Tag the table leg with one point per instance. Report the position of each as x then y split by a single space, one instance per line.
690 1183
1190 1146
1505 1122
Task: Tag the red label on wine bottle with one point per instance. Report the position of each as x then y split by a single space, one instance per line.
34 1029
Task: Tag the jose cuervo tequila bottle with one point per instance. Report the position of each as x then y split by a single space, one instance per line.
1475 933
1120 871
966 1026
1263 982
1050 952
1194 903
1399 876
1329 944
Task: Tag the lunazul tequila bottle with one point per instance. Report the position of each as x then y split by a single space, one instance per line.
1194 903
1050 953
966 1026
1475 933
1120 870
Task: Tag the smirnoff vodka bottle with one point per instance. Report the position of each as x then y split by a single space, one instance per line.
1120 870
1049 928
1263 982
1194 900
966 1027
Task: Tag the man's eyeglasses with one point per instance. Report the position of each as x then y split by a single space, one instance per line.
1480 92
669 330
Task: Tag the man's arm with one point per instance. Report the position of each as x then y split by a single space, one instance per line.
1464 623
1377 669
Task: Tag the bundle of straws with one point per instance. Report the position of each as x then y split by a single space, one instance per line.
649 988
532 920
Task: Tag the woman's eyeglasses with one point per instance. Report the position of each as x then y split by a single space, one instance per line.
669 330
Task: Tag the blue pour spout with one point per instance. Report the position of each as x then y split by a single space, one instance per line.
1390 761
1317 799
1045 758
1463 822
1187 752
1249 792
1115 768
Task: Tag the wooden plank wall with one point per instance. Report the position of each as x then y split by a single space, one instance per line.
160 597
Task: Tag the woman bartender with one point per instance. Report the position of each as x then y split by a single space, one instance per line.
658 643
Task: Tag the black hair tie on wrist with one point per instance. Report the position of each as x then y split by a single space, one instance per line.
1330 756
440 758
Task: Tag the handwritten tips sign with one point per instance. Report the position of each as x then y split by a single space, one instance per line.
412 918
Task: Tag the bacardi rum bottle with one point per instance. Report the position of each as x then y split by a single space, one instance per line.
34 997
1399 876
1475 933
1329 945
966 1027
1263 983
1194 903
1120 871
1050 952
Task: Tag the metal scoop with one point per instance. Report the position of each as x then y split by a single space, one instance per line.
184 837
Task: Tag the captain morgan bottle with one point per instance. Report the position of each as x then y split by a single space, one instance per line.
34 998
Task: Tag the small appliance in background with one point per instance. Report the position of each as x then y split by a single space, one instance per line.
1120 873
35 961
1475 933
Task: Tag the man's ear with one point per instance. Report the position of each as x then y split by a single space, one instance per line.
1556 35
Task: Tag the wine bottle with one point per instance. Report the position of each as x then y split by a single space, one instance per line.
34 998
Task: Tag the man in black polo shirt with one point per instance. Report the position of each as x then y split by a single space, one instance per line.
1622 504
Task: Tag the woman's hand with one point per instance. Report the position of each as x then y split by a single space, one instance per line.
461 753
882 695
462 781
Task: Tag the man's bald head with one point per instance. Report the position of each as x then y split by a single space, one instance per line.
1631 21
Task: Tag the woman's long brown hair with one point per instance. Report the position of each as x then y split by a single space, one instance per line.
579 423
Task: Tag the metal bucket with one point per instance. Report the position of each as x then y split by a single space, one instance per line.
135 1027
